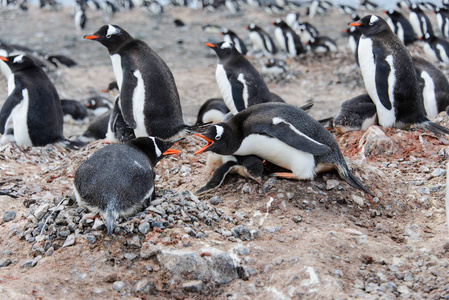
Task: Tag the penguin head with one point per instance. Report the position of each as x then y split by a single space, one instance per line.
279 23
253 167
225 51
110 36
252 27
219 140
154 148
18 62
371 25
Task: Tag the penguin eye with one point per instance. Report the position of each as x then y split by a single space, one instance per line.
218 137
108 36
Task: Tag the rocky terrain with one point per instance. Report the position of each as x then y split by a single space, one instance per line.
279 240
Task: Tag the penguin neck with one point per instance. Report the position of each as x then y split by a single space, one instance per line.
146 145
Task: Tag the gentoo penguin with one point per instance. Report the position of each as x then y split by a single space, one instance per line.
435 87
98 105
33 109
419 20
97 129
80 18
274 66
231 37
59 59
100 188
435 48
306 31
401 26
355 114
443 20
74 109
369 5
149 100
287 39
354 35
261 40
322 44
239 82
212 111
118 130
249 166
346 9
296 141
389 77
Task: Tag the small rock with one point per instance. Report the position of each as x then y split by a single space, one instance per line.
36 260
111 278
9 215
403 290
268 184
359 200
98 224
242 250
4 262
297 219
331 183
148 250
118 285
129 256
134 242
190 231
424 190
64 233
338 272
27 263
271 229
159 225
438 172
90 238
144 228
145 287
70 241
50 251
194 286
408 277
41 211
247 189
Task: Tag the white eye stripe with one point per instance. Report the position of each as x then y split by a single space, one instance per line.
111 30
220 131
226 45
18 59
373 19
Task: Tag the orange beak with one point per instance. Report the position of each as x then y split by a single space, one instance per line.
3 58
91 37
88 105
210 45
171 151
355 24
208 140
105 90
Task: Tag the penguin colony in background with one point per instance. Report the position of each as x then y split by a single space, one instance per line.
146 116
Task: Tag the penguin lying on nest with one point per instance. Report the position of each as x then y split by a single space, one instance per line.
118 180
284 135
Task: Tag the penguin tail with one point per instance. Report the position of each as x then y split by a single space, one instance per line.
351 179
198 128
433 127
110 217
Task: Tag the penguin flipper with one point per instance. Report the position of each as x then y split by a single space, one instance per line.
383 70
287 133
129 84
217 178
15 98
237 93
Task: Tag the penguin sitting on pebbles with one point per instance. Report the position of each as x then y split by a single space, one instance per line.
355 114
118 180
296 141
149 100
389 77
212 111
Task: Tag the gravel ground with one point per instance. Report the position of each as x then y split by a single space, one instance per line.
282 239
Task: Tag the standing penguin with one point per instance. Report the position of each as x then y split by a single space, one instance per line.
231 37
296 141
287 39
419 20
389 76
261 40
401 26
239 82
443 20
33 109
118 180
149 100
435 48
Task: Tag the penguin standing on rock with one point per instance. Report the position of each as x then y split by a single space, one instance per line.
296 141
287 39
149 100
118 180
239 82
389 77
32 114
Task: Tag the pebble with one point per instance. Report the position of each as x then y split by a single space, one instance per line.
424 190
70 241
4 262
247 189
242 250
129 256
98 224
359 200
134 242
438 172
215 200
331 183
149 249
193 286
297 219
190 231
9 215
145 287
118 285
41 211
144 228
27 263
90 238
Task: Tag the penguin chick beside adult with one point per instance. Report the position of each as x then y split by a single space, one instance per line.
149 100
296 141
33 110
118 180
389 77
239 82
357 113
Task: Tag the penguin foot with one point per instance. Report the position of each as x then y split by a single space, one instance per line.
285 175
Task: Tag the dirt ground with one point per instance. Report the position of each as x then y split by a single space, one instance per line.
314 239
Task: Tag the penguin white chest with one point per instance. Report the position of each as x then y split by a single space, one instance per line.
301 163
138 105
387 117
414 21
280 38
225 88
443 53
19 117
257 41
117 67
430 53
430 103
